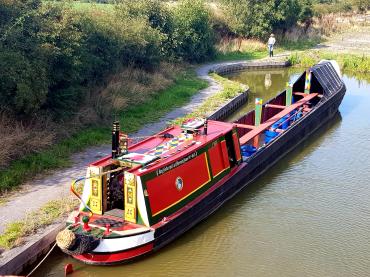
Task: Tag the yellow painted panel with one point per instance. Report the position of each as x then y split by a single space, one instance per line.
96 196
130 197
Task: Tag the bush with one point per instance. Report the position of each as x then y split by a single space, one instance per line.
251 18
51 53
193 37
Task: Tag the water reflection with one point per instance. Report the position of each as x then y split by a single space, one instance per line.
268 81
263 84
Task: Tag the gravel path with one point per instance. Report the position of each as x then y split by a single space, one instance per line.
353 40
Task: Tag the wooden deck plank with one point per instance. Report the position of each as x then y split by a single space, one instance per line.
256 131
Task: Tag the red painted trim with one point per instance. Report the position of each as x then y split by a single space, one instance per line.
225 155
237 147
217 159
115 257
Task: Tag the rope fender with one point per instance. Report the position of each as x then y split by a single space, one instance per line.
76 244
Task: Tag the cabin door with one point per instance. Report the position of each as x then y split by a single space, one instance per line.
233 148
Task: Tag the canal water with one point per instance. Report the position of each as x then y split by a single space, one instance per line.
307 216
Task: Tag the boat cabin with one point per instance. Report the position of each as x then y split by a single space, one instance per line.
155 178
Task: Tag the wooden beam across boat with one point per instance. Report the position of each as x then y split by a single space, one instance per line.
275 106
268 123
304 94
245 126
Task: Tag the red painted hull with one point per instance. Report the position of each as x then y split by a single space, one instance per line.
115 258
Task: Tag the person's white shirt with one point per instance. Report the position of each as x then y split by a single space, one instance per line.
271 41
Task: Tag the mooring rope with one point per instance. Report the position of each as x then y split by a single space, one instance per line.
33 270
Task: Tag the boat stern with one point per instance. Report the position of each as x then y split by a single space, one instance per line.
104 240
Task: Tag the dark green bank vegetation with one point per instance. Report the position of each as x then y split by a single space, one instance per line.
51 54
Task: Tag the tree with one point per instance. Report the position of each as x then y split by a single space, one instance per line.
253 18
23 81
193 37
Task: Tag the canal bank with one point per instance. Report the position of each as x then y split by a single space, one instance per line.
57 184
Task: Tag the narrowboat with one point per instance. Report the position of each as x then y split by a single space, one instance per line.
144 195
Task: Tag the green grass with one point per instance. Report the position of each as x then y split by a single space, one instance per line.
15 232
81 6
230 90
175 96
348 62
58 156
240 55
299 45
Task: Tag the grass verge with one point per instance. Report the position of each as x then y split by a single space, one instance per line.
348 62
15 232
58 156
230 90
297 45
240 55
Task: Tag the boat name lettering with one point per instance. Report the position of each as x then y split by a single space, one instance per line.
176 164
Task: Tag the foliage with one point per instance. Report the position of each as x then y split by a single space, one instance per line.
51 54
322 7
251 18
193 36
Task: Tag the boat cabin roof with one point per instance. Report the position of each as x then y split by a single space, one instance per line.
168 146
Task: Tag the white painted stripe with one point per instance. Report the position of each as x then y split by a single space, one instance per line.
141 202
119 244
87 186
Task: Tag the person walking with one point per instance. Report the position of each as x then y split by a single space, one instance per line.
271 43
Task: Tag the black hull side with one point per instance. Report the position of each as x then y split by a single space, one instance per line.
261 161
